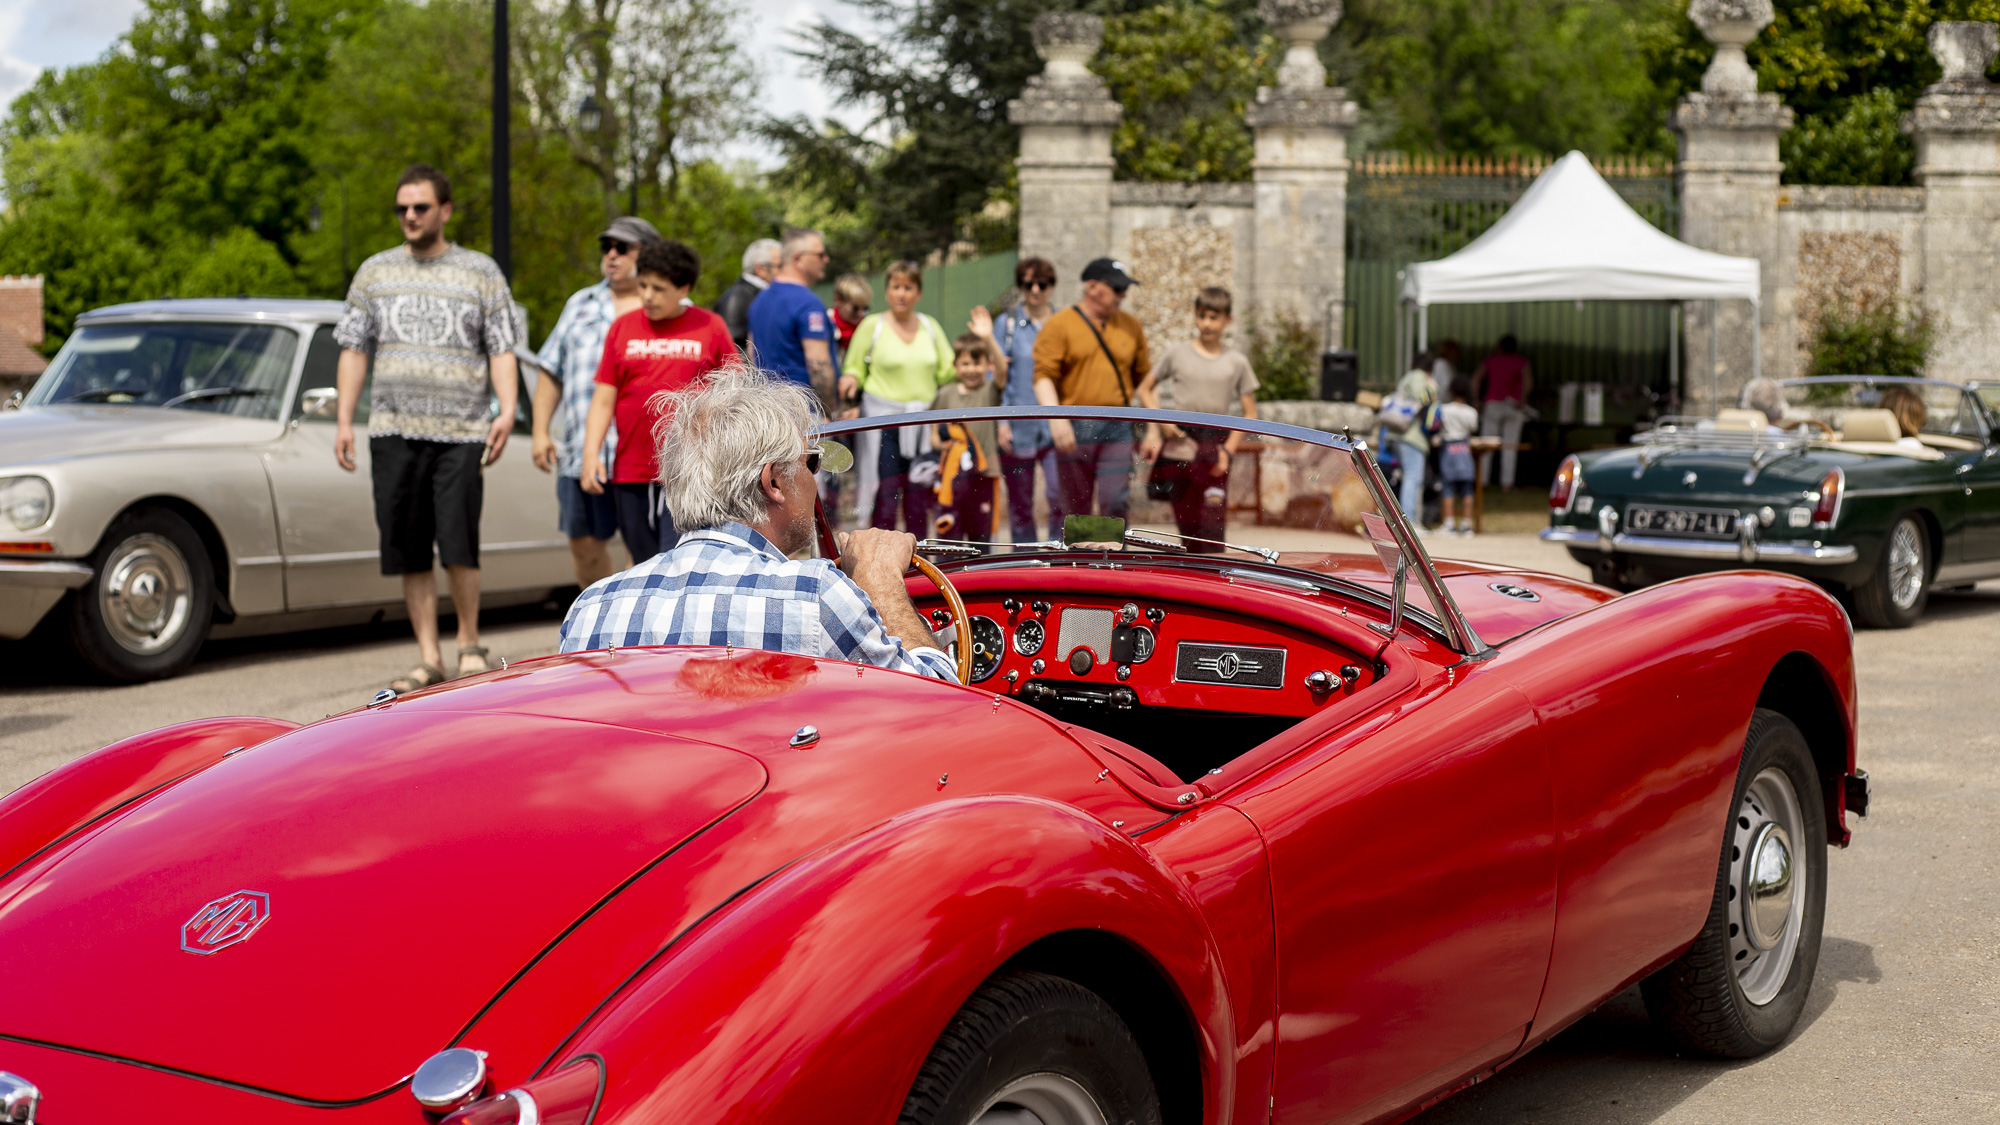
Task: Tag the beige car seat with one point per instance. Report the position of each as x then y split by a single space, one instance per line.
1870 425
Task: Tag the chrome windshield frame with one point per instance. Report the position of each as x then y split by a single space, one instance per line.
1458 631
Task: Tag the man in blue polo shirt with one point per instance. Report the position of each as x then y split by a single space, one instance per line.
791 333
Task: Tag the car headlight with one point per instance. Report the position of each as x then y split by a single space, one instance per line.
26 502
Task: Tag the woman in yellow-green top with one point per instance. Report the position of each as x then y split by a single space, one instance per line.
896 362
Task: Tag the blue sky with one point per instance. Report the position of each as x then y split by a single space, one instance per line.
38 34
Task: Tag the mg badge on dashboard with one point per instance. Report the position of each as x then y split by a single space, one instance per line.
226 921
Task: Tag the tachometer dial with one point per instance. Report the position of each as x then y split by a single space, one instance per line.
1029 637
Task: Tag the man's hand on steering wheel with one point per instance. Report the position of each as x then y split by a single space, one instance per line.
877 559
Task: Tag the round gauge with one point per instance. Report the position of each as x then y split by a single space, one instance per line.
1142 644
989 644
1028 637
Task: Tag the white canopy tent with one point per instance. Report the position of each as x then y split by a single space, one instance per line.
1570 237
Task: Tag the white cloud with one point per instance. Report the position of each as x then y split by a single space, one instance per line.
38 34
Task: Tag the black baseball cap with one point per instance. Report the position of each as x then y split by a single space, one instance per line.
1110 271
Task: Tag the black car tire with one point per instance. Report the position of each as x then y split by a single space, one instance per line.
1888 600
1043 1040
1700 1000
147 608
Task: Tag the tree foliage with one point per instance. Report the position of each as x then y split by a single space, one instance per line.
1849 70
1184 80
1873 340
252 146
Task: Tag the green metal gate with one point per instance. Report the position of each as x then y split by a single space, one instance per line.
1403 208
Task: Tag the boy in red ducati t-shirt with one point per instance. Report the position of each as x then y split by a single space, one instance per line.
663 345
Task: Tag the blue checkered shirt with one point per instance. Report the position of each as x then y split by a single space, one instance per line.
571 354
728 585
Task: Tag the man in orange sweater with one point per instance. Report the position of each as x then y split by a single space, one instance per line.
1093 354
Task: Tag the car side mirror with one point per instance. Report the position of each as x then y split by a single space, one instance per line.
318 402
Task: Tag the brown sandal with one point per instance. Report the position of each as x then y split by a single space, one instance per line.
478 654
422 676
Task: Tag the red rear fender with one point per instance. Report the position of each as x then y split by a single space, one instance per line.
69 798
817 995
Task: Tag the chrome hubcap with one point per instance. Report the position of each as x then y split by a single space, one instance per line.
1041 1099
1767 900
146 594
1906 564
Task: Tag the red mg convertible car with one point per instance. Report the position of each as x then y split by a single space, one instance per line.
1302 828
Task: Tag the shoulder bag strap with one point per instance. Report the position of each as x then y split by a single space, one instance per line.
1112 359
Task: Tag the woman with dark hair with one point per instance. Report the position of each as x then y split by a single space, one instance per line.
1023 445
1501 385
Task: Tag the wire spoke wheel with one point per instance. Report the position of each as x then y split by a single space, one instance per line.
147 594
1767 896
1906 565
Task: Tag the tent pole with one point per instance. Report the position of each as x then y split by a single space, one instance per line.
1756 341
1423 327
1714 378
1674 353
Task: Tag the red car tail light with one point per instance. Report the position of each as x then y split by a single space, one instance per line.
567 1097
1569 479
1826 509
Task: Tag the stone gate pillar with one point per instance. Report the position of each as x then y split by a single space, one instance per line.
1728 173
1956 124
1066 116
1301 128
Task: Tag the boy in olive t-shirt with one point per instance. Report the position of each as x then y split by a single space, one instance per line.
1207 377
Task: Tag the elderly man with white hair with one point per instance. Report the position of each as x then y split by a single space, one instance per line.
760 265
736 469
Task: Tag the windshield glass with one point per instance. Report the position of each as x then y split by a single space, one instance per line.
1938 409
989 487
237 369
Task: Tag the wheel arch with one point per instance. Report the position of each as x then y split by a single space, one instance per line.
829 981
1144 996
1798 688
205 529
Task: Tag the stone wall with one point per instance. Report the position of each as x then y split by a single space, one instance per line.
1178 238
1841 248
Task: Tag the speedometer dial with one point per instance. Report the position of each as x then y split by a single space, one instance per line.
989 644
1028 637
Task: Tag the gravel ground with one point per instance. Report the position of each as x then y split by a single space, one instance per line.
1903 1023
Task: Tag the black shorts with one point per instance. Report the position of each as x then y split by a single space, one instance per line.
426 491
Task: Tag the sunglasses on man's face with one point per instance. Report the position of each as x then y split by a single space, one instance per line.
418 209
813 458
1038 285
613 246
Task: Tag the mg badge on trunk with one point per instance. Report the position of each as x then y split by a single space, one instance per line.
226 921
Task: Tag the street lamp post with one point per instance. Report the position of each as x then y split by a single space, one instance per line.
503 202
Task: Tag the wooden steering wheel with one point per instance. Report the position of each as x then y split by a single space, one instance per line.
829 548
1828 430
955 605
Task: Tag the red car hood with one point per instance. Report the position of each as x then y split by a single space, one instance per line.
407 864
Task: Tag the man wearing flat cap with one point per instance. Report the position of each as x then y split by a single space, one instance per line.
569 359
1093 354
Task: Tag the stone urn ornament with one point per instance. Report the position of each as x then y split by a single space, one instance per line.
1301 24
1067 41
1964 50
1730 24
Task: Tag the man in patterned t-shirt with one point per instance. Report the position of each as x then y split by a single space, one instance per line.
440 322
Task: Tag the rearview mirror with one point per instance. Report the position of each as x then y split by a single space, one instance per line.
318 402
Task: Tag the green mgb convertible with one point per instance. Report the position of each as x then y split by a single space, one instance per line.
1881 489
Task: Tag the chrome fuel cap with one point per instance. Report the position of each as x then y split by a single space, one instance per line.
449 1079
18 1099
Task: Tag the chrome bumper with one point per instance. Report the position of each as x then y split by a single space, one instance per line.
1809 554
29 588
60 574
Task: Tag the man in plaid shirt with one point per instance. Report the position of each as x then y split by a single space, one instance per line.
569 361
737 472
